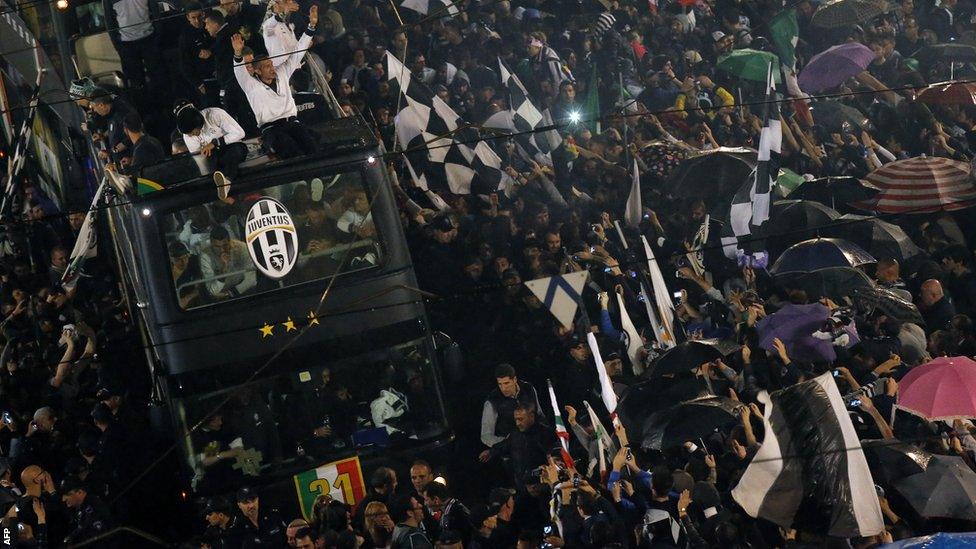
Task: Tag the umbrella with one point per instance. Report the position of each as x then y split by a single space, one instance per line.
794 325
847 13
945 52
833 66
943 389
834 190
647 397
712 174
836 283
948 93
879 237
820 253
942 540
923 184
683 358
686 421
790 217
947 489
889 303
749 64
832 114
892 459
661 159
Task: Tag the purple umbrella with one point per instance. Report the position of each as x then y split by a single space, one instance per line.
833 66
794 325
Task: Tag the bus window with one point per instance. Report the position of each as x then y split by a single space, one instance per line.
386 398
209 258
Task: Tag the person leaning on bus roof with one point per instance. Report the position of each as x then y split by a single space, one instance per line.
271 99
146 150
216 135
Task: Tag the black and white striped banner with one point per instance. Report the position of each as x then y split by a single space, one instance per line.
811 455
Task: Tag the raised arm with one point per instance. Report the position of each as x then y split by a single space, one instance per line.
295 59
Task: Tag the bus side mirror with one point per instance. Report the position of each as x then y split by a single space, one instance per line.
450 357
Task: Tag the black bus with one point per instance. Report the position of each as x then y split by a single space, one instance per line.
283 369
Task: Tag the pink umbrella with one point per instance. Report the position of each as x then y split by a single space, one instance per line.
943 389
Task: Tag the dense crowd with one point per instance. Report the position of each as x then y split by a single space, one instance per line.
626 82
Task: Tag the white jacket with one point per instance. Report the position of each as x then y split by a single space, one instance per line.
218 126
279 39
267 103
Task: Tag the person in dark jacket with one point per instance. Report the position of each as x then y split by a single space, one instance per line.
451 515
91 516
146 149
259 527
936 308
196 54
408 512
497 420
527 446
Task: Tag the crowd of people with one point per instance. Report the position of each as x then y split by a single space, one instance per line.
625 82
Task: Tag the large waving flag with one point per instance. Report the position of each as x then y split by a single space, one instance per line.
634 343
784 33
561 431
427 129
604 441
606 388
811 453
560 294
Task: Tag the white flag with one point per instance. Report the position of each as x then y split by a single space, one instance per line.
560 294
86 246
606 388
633 211
634 343
662 297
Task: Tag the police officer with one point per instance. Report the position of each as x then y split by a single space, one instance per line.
259 527
224 528
91 515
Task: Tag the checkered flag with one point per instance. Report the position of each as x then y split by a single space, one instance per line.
526 119
440 154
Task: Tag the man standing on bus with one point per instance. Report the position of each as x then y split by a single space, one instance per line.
270 95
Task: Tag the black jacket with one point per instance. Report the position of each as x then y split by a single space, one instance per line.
192 41
527 449
92 518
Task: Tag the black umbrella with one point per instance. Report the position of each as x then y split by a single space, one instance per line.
820 253
711 175
880 238
791 221
648 397
889 303
834 191
690 420
892 459
835 282
683 358
947 489
831 115
945 52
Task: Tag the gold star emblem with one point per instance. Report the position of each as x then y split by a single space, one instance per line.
312 319
267 330
289 325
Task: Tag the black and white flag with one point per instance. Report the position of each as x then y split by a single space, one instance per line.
527 118
811 456
428 130
750 205
424 7
86 245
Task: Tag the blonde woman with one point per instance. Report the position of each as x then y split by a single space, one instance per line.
378 526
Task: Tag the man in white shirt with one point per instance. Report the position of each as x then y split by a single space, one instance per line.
226 266
278 32
271 99
216 135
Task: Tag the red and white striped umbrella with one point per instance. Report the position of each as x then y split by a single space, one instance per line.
923 184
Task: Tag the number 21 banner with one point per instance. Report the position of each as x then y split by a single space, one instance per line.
342 479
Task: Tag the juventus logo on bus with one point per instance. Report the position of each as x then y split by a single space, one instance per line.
272 240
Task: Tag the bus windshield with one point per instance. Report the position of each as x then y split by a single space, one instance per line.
386 398
212 257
